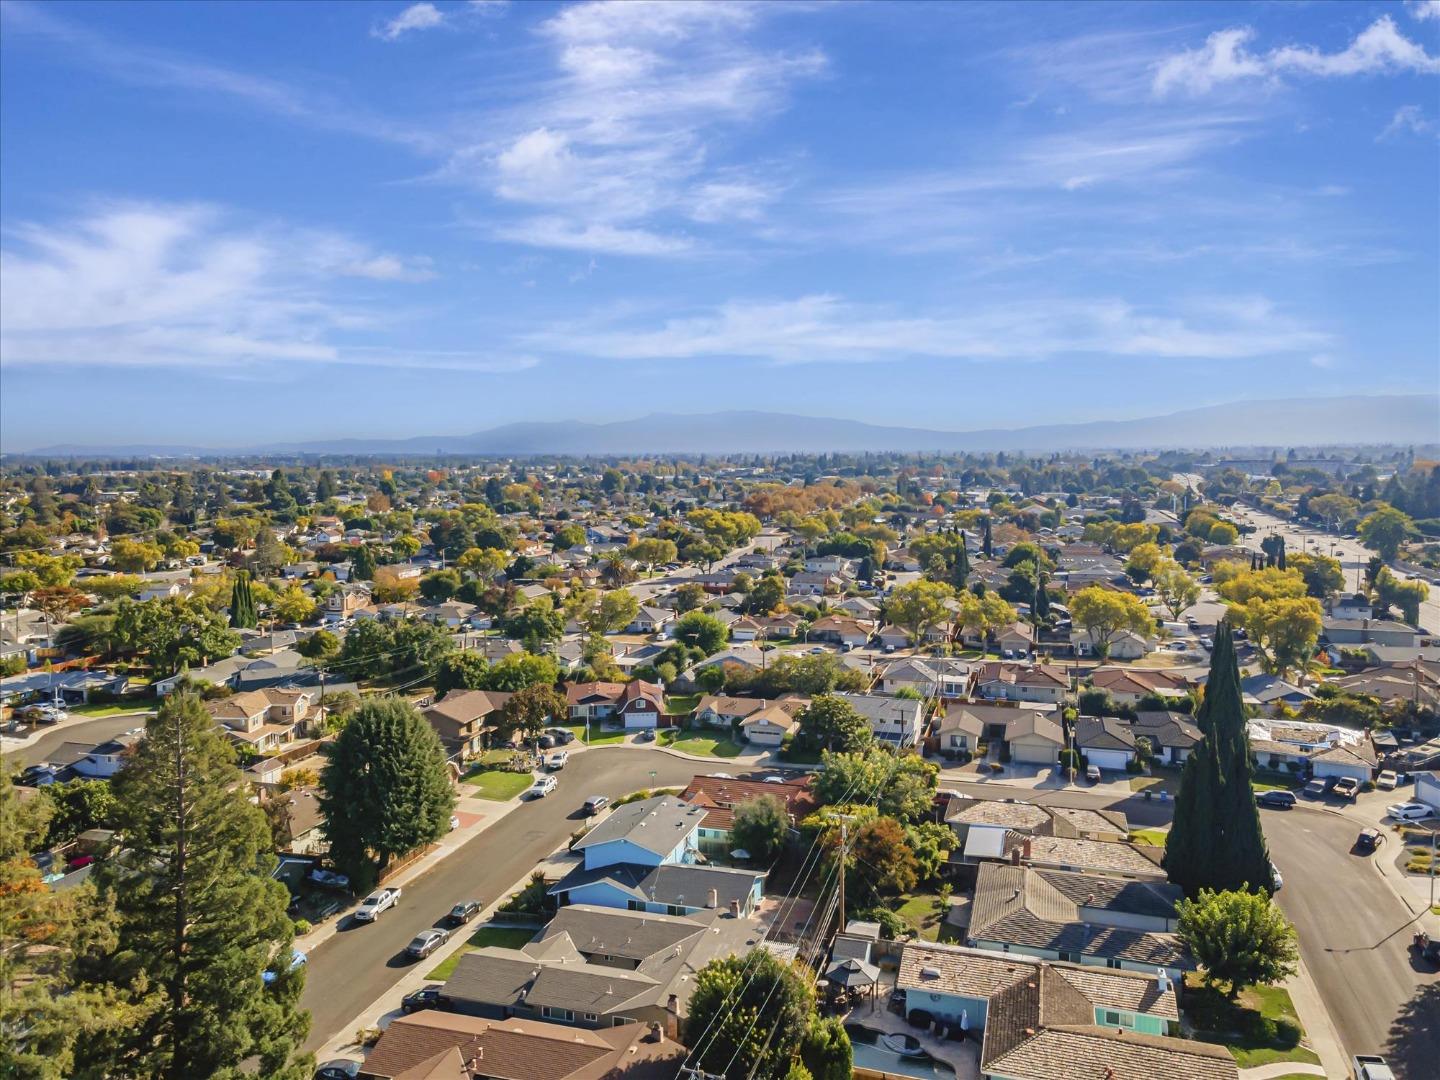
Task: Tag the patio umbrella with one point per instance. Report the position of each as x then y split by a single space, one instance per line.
853 973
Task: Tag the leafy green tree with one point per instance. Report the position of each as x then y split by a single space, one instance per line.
48 933
919 606
530 709
691 596
650 552
293 606
1177 590
385 789
825 1052
134 556
440 585
614 611
567 537
759 826
1239 938
200 919
1323 576
1216 841
697 630
322 646
1384 531
931 844
536 623
880 860
903 785
1405 595
362 566
242 602
747 1016
172 632
461 671
767 595
1104 613
78 805
831 723
522 669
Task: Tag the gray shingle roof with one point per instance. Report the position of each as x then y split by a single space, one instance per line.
656 825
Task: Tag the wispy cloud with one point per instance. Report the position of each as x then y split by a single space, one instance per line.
617 148
187 286
828 329
426 16
1408 119
1424 9
1226 57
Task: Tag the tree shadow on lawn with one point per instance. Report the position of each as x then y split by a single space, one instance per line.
1414 1046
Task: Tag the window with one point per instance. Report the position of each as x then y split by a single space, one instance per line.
563 1015
1112 1018
590 1018
635 905
618 1020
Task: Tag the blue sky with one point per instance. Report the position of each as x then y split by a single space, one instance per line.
231 223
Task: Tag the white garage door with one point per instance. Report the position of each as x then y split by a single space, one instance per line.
1106 759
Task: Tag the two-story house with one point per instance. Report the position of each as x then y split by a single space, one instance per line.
464 719
641 705
262 720
897 721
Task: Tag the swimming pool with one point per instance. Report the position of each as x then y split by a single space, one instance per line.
870 1054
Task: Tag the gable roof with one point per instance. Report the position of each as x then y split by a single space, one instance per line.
1103 733
657 825
1087 1052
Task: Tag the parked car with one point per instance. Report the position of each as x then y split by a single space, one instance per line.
1387 780
38 776
1279 800
464 911
1347 787
1409 811
646 735
545 742
427 997
1371 1067
1092 773
378 901
327 879
426 942
542 787
297 959
1315 788
595 803
1276 881
1369 840
339 1069
557 761
454 822
562 736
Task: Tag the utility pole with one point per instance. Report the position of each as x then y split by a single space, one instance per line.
845 840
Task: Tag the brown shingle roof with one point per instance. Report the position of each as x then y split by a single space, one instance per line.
1082 1052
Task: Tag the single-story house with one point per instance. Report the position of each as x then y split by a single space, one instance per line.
770 725
1106 742
1172 735
593 700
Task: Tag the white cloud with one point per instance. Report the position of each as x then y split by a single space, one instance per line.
185 286
619 145
420 16
1225 57
1424 9
828 329
1408 118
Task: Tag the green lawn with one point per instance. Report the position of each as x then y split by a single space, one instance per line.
923 913
110 710
598 736
499 785
1153 837
1259 1028
702 742
505 937
682 703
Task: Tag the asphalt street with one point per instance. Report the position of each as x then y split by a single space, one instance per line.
357 965
1354 938
93 731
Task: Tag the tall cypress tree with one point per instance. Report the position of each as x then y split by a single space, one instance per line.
242 602
985 540
1216 840
199 915
1041 607
362 567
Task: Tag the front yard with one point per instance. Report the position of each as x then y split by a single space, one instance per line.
598 735
1259 1028
707 743
504 937
498 784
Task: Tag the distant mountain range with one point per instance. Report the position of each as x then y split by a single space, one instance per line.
1396 419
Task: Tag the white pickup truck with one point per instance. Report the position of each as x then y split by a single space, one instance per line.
378 901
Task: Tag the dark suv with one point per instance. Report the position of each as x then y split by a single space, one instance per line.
464 911
1279 800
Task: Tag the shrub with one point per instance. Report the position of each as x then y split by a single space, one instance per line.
1069 759
302 927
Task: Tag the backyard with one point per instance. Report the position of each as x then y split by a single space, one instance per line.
504 937
1259 1028
925 914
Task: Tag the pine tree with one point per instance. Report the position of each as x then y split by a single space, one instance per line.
200 918
962 565
985 543
1216 841
242 602
362 567
1041 607
386 788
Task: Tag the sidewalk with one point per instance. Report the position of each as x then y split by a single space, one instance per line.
1320 1034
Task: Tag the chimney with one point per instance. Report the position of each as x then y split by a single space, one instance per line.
657 1033
714 899
1015 856
672 1016
1025 848
734 909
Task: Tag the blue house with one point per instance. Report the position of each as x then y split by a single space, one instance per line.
646 857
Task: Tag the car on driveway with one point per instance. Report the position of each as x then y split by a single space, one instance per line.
561 736
1278 800
464 911
328 879
543 786
427 997
1092 773
1387 780
1316 788
426 942
1347 787
1409 811
378 901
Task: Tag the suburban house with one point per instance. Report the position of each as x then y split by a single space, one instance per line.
427 1044
1172 735
1078 918
1022 682
842 630
1083 856
929 677
344 602
987 829
898 721
720 795
1357 759
717 710
643 857
1269 691
596 967
1125 645
1035 733
303 823
464 719
650 620
956 984
104 760
1367 631
807 583
262 720
892 638
770 725
641 705
590 701
1106 742
1127 686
